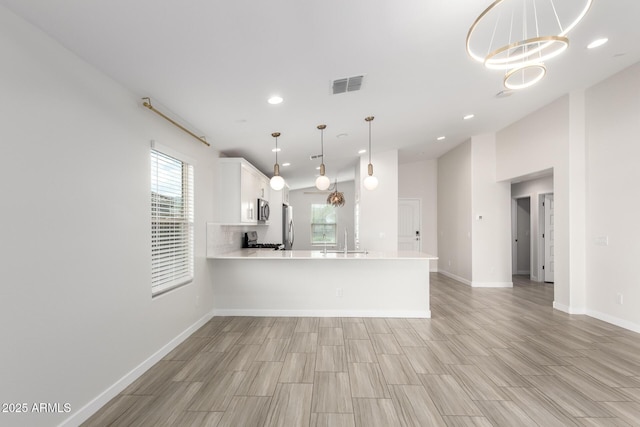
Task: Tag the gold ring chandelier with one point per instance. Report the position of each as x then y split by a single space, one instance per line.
517 36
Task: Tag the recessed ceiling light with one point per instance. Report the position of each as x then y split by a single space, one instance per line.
440 138
597 43
276 150
469 116
362 151
275 100
318 168
286 164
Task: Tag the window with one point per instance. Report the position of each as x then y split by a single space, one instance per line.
171 222
323 224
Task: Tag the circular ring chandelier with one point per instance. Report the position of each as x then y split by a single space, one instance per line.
522 77
520 53
519 35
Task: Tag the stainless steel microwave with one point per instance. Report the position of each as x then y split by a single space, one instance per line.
263 210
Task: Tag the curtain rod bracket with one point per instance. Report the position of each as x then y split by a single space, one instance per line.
147 104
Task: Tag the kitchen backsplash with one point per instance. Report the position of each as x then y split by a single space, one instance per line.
228 238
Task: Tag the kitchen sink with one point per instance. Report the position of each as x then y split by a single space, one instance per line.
335 251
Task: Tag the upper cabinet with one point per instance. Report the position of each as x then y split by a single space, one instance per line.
239 187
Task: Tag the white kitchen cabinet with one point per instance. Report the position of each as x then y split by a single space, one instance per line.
239 186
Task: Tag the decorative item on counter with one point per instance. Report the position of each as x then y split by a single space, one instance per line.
277 182
322 181
370 182
336 198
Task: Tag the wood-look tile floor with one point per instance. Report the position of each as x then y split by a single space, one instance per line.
487 357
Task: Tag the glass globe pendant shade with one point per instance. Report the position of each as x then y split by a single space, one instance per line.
322 182
277 182
370 182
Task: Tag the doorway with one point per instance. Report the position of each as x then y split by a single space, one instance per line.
409 225
521 236
547 237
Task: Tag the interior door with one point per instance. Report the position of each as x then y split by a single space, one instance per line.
409 231
549 235
523 236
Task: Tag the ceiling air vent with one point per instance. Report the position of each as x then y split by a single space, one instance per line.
348 84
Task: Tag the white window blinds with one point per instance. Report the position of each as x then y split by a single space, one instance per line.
171 222
323 224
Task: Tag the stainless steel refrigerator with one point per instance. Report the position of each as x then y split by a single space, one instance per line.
287 227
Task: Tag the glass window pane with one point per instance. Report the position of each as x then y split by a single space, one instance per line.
323 224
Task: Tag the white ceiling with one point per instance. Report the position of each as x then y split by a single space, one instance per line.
213 64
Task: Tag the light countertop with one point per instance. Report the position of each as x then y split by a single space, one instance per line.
320 255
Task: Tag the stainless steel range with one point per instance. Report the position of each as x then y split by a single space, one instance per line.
250 240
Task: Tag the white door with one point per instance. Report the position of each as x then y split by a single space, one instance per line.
523 236
549 235
409 234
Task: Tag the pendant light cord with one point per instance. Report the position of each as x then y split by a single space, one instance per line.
369 141
369 120
322 146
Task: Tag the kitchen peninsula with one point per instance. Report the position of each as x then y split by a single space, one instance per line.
258 282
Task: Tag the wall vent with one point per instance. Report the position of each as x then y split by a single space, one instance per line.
347 84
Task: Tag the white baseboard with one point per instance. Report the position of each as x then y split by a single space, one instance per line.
454 277
614 320
600 316
568 309
492 284
98 402
420 314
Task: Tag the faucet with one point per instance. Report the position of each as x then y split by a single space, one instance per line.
345 241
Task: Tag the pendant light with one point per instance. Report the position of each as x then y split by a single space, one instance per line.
336 198
322 182
277 182
520 45
370 182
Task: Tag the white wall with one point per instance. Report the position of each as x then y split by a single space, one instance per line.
302 199
454 213
540 142
613 126
419 180
490 201
75 305
379 207
536 189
